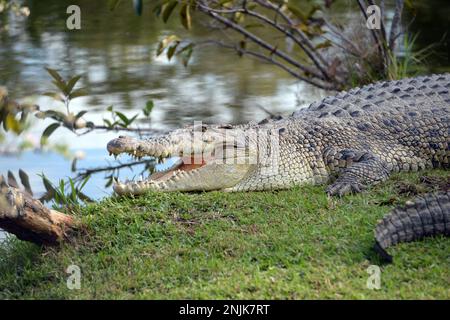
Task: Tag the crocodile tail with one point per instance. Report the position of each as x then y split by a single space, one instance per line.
425 216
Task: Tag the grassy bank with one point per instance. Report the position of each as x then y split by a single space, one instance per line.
287 244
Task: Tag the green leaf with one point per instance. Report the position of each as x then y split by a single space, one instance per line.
109 182
61 86
48 185
58 80
72 82
53 95
123 117
57 115
77 93
186 53
25 181
80 114
171 50
83 183
73 167
55 75
48 131
107 122
164 43
167 10
185 16
133 118
13 124
148 108
73 193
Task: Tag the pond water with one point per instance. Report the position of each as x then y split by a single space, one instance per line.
115 53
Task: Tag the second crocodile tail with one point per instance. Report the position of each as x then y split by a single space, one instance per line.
424 216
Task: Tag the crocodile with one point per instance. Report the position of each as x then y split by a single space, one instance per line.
350 141
425 216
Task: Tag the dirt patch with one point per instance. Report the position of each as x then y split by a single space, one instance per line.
426 184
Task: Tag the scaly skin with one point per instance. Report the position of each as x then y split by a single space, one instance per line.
352 140
425 216
360 137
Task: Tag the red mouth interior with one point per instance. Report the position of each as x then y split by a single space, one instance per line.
189 163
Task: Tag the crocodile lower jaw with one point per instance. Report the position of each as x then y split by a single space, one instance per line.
184 169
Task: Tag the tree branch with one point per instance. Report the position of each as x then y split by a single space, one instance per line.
290 35
303 37
273 50
85 172
30 220
395 24
378 42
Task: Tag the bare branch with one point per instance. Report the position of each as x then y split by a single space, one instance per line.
274 24
273 50
30 220
290 22
395 24
148 131
382 28
378 42
308 52
342 36
86 172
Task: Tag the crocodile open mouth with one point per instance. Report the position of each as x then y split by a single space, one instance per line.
184 167
198 169
183 164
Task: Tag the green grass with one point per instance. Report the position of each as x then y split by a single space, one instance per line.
291 244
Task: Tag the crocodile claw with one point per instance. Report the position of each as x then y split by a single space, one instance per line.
342 188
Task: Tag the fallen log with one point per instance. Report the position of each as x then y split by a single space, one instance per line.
30 220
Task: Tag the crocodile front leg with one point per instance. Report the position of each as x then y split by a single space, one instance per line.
357 171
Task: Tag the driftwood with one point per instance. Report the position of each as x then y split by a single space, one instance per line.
30 220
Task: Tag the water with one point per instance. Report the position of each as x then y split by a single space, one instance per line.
115 53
